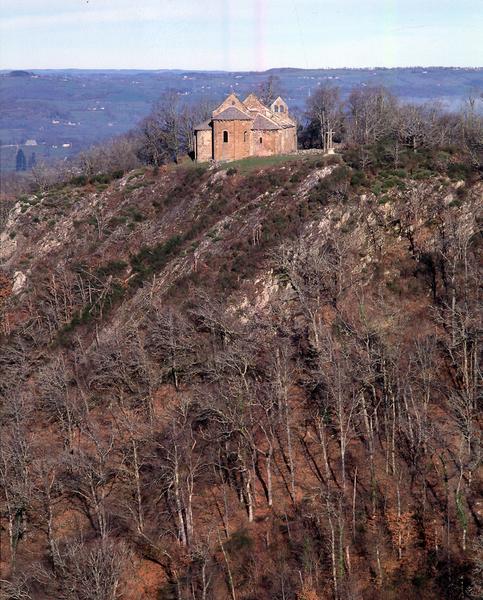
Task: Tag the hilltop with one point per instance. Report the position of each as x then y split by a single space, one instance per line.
83 107
256 380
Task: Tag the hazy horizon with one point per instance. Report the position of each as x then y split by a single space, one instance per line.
201 70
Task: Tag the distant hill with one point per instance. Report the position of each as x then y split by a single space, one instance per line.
82 107
20 74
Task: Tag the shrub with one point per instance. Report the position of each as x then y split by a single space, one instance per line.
102 178
117 220
456 203
457 171
136 186
239 541
135 174
151 259
227 280
389 181
422 174
136 215
335 184
331 159
80 180
358 179
113 267
190 178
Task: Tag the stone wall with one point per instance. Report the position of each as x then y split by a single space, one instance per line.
204 145
243 142
288 140
269 144
238 145
310 151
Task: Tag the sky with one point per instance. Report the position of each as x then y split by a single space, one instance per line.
239 34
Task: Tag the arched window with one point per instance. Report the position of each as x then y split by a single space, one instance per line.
261 140
244 136
282 109
276 107
225 137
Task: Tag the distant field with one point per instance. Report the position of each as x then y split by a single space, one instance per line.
42 152
82 108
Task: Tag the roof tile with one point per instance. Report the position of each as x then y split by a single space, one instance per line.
204 126
262 122
232 114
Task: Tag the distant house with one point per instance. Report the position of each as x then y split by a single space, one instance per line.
240 129
31 143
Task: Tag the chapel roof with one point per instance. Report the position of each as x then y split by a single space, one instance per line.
232 114
279 99
262 122
254 103
204 126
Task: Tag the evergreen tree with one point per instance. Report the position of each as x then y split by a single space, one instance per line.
32 160
21 162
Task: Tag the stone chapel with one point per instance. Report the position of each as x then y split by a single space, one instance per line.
240 129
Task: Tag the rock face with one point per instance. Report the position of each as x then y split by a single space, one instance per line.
251 384
7 246
19 280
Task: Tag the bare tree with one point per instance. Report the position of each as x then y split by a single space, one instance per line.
91 571
269 90
315 274
324 108
119 369
134 457
17 588
16 484
372 116
179 467
44 175
167 133
172 342
472 127
89 477
60 398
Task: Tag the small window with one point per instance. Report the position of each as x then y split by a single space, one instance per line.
276 108
282 109
244 136
225 137
233 103
261 140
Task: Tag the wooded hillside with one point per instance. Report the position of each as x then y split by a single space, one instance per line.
253 382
